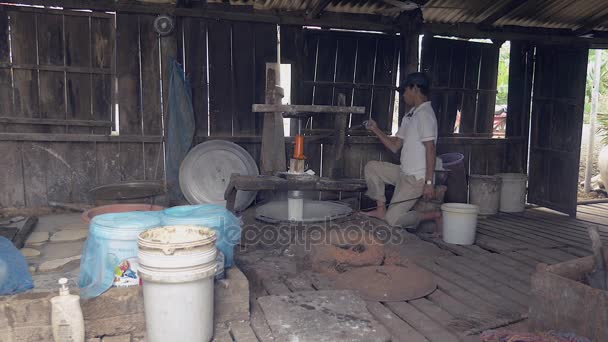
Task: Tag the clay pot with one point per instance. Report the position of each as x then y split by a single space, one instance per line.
118 208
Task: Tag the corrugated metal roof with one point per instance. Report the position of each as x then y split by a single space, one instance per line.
377 7
566 14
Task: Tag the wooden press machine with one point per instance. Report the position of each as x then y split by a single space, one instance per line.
295 179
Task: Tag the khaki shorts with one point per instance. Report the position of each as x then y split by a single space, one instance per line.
377 175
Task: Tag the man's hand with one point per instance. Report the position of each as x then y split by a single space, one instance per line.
428 192
371 125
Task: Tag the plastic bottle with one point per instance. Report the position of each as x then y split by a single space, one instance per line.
67 320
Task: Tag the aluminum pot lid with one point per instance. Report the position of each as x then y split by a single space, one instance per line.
205 173
128 190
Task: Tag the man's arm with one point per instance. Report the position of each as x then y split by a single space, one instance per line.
392 143
429 147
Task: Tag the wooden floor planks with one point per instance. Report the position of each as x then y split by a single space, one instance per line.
480 287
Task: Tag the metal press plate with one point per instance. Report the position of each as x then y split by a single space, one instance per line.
206 170
314 211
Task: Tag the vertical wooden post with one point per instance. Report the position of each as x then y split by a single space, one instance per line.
411 24
341 121
273 137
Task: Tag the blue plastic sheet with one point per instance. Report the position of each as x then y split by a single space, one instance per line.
180 116
14 274
226 225
109 256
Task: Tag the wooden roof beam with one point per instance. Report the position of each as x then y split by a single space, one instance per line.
588 25
507 8
316 11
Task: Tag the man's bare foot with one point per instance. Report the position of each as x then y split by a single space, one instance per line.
377 213
438 225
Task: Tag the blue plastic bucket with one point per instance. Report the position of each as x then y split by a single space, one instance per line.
109 256
226 225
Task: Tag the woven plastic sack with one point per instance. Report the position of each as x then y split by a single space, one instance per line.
109 256
14 274
226 225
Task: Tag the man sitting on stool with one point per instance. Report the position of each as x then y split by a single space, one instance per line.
412 179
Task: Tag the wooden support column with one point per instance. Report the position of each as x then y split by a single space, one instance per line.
341 122
410 24
273 137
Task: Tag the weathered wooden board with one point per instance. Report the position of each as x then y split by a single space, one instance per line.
427 326
265 36
59 173
79 98
102 42
108 163
101 100
50 39
4 38
220 80
243 75
84 171
11 179
131 161
6 78
35 166
52 99
127 68
195 55
25 91
23 30
385 73
77 41
399 329
151 110
153 159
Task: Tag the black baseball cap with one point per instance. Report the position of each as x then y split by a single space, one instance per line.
419 79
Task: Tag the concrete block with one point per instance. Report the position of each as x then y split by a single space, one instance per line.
121 338
25 310
328 315
232 297
27 334
114 302
119 325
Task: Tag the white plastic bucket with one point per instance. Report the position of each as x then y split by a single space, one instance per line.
177 265
459 223
513 192
484 191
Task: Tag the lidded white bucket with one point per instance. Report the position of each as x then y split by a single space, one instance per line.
484 191
459 223
177 265
513 192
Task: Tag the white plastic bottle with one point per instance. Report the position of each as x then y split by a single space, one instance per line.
67 320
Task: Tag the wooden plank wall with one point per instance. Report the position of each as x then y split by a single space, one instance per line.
463 78
61 71
56 91
238 53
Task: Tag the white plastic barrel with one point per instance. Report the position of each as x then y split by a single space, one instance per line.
177 265
459 223
513 192
484 192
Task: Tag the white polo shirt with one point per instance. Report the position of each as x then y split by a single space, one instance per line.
419 125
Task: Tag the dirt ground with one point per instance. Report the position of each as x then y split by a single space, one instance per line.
581 177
